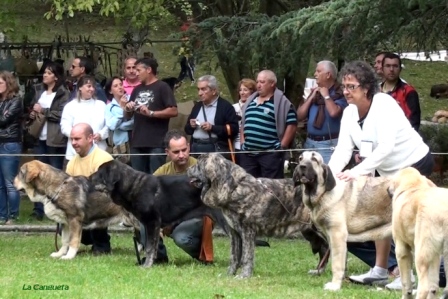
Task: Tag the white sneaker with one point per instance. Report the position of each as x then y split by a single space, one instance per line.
370 278
396 284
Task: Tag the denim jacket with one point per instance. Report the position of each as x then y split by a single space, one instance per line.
115 122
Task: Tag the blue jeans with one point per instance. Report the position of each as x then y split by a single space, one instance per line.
147 164
56 161
318 145
9 167
366 252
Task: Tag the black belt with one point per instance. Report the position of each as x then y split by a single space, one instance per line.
205 141
323 137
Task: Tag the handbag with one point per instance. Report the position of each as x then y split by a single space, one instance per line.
34 126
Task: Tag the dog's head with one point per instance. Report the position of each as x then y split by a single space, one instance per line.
208 168
29 172
107 176
407 179
312 172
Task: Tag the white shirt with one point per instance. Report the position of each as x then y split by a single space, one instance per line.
45 101
91 112
395 144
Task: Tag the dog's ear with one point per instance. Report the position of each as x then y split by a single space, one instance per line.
296 176
330 182
31 172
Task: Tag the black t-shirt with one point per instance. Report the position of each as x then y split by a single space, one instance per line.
150 131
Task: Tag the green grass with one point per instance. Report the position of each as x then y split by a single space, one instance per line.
280 272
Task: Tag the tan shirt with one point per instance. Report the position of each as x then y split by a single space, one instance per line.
89 164
169 168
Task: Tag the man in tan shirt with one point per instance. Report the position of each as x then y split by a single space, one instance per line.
188 235
88 159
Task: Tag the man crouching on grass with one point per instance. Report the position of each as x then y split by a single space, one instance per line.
88 159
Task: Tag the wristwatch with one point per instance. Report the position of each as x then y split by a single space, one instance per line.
326 97
151 113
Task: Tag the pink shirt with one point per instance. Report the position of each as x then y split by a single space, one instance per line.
128 88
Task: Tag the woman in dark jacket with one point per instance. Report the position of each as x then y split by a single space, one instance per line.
50 102
11 110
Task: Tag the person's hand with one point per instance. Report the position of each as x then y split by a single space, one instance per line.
143 110
193 123
324 92
97 137
346 176
206 126
32 115
37 108
123 101
358 158
130 107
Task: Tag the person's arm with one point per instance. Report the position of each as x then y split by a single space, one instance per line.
104 131
291 128
113 116
189 130
67 120
230 118
127 125
344 149
168 112
14 112
413 102
302 111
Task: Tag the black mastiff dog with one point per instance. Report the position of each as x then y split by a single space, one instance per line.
253 207
156 201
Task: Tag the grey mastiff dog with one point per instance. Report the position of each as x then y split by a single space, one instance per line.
355 211
252 207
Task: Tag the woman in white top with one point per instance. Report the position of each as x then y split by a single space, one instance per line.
85 108
375 124
50 102
246 87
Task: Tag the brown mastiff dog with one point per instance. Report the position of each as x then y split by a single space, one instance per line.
355 211
71 201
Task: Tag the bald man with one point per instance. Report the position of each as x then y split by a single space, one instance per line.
268 122
87 160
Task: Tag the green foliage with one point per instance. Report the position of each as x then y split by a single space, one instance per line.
136 12
355 29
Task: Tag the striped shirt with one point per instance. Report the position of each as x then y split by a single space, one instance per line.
260 131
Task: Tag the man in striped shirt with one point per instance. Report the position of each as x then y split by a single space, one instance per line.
269 122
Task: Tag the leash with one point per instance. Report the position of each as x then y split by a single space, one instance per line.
229 141
283 205
324 260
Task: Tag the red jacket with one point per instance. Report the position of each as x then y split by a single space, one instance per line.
407 97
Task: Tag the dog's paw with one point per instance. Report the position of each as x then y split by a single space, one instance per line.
231 271
56 254
331 286
67 257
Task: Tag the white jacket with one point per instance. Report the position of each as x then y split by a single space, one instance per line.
395 144
84 111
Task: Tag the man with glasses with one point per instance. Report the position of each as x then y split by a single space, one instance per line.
323 109
405 95
84 66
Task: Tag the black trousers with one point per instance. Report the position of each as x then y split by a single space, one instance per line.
98 238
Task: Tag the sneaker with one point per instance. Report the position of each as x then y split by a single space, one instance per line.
396 284
369 278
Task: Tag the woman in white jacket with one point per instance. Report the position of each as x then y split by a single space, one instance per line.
375 124
85 109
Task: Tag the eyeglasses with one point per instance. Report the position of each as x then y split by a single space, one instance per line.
350 87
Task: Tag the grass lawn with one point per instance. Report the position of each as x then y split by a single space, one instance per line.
280 272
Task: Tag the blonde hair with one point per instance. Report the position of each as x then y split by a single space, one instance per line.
12 88
248 83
